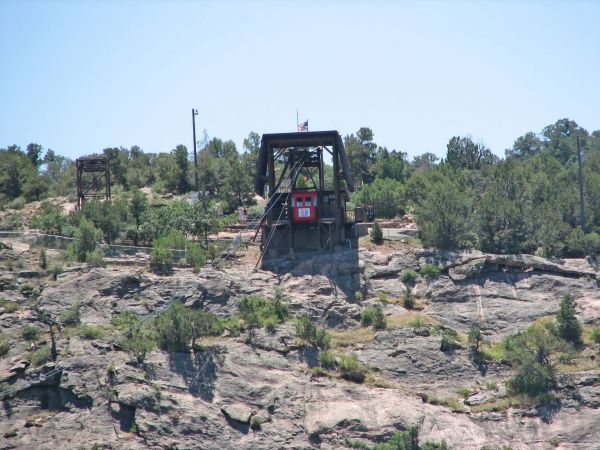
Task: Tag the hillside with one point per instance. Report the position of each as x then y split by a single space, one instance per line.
275 391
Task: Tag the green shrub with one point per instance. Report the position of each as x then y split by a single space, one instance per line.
95 258
91 331
569 327
464 391
40 356
492 385
173 328
376 233
323 339
125 319
50 219
71 315
139 342
383 297
9 307
408 298
259 312
173 239
407 440
202 324
534 354
55 271
476 338
43 259
4 345
256 422
352 369
449 340
161 258
31 332
15 221
86 237
26 288
430 270
358 296
373 315
308 331
591 243
195 255
305 328
232 324
327 360
594 334
17 203
533 379
408 276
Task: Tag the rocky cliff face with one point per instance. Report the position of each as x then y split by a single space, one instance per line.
233 395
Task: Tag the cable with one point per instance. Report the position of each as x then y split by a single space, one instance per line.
234 245
270 237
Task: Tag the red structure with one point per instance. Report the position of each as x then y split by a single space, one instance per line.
304 206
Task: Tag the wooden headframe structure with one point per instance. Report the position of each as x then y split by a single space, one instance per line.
291 165
93 178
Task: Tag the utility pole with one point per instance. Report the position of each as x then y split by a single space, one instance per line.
194 114
581 206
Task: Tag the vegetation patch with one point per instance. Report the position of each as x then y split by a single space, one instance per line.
308 331
591 335
464 392
376 233
4 345
430 270
349 338
351 368
91 331
373 315
71 315
9 307
412 319
497 405
327 359
407 440
451 402
257 312
40 356
31 332
408 276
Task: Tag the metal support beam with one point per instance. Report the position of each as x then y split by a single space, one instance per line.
92 173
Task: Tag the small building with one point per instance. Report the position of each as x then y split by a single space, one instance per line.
306 208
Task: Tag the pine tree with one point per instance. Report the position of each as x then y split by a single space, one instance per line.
376 233
569 327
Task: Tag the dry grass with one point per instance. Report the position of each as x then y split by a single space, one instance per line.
412 319
379 381
590 335
496 405
502 404
494 351
451 402
349 338
39 418
584 360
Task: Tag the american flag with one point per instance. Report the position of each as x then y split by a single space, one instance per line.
303 126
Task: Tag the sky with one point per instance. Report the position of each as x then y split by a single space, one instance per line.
80 76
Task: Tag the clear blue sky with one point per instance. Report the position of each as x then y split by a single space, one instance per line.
79 76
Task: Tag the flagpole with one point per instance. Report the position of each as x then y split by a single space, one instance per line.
297 123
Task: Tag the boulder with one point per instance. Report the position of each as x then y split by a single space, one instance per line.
19 366
469 269
136 395
238 411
